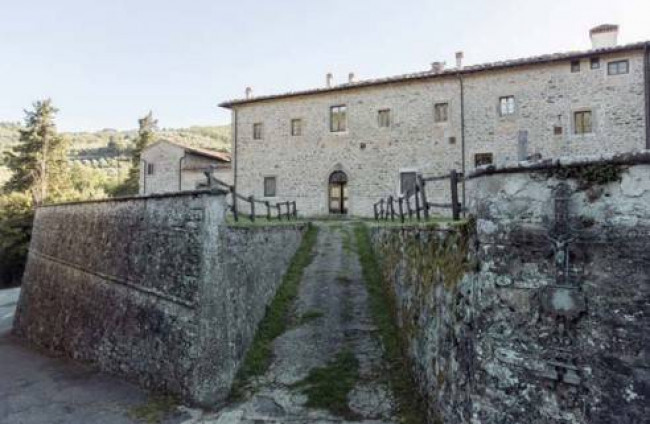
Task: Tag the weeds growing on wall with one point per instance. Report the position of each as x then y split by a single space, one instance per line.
589 175
410 405
277 318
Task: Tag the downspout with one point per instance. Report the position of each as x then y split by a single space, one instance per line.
462 136
234 139
180 172
646 73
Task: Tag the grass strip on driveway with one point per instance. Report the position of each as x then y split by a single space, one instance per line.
277 318
382 306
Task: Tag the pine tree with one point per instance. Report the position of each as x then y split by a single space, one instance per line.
146 136
39 163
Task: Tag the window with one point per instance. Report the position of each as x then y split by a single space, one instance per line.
507 105
269 186
296 127
257 131
383 118
481 159
594 63
582 122
575 66
407 182
338 118
441 112
557 130
150 169
618 67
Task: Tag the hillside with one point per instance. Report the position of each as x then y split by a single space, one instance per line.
109 151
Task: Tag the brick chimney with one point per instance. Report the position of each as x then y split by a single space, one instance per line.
249 92
329 78
459 60
603 36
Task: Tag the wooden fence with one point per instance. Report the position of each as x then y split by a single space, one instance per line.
280 210
414 203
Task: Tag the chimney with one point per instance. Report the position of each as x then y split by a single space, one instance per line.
351 77
459 60
328 79
438 67
249 92
603 36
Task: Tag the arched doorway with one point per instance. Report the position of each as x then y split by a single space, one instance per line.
338 193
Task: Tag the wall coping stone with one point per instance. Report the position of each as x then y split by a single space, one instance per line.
188 193
637 157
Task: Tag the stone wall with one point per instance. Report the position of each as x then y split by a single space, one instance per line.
156 289
547 323
428 271
546 97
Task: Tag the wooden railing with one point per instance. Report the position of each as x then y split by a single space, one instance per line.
290 211
420 209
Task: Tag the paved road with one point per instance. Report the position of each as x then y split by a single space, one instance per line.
8 299
36 389
332 284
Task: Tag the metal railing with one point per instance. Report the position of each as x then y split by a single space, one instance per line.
420 209
290 211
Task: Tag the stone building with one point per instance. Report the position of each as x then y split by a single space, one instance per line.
339 148
169 167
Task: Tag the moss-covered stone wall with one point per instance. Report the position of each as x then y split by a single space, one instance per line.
429 272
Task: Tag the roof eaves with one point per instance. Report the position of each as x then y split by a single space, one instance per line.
534 60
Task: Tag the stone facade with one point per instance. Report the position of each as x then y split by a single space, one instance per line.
546 96
156 289
540 314
178 168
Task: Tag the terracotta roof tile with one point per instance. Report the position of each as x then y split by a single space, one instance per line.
547 58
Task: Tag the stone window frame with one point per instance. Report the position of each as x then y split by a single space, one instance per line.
617 64
258 131
481 157
594 63
338 130
292 128
399 178
388 121
575 66
515 109
275 186
594 122
436 104
150 168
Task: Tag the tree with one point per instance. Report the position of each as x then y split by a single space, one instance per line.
16 214
146 135
39 162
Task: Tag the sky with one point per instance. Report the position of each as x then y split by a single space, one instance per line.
106 63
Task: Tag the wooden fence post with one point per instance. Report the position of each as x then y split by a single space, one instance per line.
392 208
381 208
233 192
408 205
455 209
400 203
288 213
417 201
423 193
251 200
268 210
277 205
374 209
295 210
